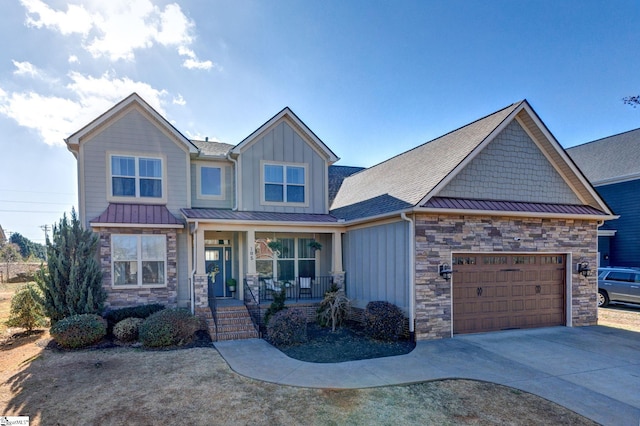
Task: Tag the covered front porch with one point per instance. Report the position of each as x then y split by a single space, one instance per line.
252 261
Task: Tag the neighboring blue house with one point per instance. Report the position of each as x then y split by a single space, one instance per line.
612 164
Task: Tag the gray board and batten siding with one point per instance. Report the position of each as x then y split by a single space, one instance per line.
135 134
377 264
282 144
511 167
132 134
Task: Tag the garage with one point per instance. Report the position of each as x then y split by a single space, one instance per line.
497 291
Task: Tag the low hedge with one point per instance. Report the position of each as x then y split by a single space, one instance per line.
79 331
383 320
140 311
169 327
127 330
287 327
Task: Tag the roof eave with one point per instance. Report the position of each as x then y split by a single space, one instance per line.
135 225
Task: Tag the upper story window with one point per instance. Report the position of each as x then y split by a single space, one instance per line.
211 182
133 176
285 183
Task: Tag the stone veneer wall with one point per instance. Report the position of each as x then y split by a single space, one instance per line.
123 297
437 236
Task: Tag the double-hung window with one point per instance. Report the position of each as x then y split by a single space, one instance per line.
284 183
139 177
139 260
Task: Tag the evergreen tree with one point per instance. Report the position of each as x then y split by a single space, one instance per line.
72 281
26 309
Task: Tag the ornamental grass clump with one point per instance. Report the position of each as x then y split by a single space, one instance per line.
169 327
287 327
79 331
127 330
334 309
383 321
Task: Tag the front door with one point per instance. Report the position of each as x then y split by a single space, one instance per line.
218 261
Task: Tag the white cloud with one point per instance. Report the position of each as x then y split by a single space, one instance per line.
115 29
179 100
73 59
55 117
75 20
26 68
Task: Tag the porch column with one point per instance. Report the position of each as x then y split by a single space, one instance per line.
336 259
200 280
252 275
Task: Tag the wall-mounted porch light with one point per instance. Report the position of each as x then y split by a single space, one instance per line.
583 268
445 271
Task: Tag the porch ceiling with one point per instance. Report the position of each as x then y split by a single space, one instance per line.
247 216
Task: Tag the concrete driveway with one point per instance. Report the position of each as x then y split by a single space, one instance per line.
594 371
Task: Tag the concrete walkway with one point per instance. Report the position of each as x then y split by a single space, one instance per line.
594 371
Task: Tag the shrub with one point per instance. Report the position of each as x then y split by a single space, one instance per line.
78 331
277 305
383 320
127 329
168 327
334 309
26 308
287 327
72 279
140 311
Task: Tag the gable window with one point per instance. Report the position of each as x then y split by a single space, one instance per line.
284 183
210 182
138 260
139 177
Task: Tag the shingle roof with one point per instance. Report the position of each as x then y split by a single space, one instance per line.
337 174
410 176
509 206
608 158
217 149
137 214
225 214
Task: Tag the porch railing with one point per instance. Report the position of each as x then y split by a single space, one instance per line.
319 286
253 307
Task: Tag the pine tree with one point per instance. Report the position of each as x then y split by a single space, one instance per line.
72 281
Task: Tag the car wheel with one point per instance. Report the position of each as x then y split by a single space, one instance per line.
603 299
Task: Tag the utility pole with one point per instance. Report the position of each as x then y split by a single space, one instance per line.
45 228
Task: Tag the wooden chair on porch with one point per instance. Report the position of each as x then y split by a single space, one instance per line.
304 286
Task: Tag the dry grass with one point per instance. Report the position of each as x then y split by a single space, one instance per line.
195 386
620 316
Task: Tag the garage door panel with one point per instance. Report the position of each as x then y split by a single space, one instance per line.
498 292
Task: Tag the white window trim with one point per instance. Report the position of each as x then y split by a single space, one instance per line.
263 202
139 260
199 193
137 198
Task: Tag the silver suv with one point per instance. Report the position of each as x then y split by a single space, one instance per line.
619 284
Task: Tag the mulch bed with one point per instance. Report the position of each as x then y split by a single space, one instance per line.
347 343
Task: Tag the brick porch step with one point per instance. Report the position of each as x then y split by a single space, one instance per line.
234 323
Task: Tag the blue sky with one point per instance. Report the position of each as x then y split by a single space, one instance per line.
370 78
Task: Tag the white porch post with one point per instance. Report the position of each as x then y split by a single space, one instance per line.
252 275
200 282
336 259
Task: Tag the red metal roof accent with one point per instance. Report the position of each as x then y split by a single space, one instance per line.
223 214
137 214
509 206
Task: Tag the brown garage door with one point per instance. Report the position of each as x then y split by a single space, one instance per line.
498 292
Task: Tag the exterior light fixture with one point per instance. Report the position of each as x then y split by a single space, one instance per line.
583 268
445 271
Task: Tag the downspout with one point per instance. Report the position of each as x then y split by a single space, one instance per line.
236 187
193 272
412 275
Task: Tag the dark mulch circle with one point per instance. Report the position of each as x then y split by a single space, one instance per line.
347 343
